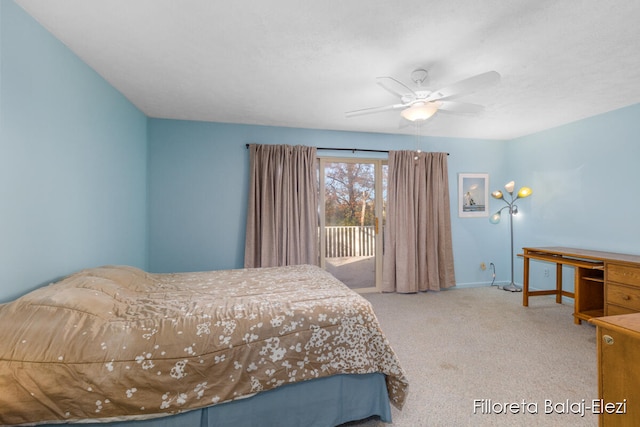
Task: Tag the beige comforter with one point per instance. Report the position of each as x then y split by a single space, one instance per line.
119 342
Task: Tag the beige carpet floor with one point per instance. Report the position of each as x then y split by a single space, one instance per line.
463 345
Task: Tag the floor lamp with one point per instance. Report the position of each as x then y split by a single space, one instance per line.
513 210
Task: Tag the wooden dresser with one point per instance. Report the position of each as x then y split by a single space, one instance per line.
618 341
605 284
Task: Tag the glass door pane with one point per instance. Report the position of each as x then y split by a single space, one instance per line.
350 218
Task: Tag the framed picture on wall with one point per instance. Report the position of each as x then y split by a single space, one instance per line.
473 195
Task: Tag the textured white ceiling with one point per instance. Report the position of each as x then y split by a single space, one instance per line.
305 63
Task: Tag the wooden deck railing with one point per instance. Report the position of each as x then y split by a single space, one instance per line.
347 241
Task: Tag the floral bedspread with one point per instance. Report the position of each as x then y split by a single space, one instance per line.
118 342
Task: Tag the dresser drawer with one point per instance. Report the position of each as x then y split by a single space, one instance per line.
623 274
625 296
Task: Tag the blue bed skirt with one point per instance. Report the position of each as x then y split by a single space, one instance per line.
323 402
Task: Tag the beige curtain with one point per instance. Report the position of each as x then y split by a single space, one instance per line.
282 216
418 252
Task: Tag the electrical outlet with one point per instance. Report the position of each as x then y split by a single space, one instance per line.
546 272
483 266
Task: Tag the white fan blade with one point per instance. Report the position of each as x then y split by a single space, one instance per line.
459 107
376 110
466 86
395 87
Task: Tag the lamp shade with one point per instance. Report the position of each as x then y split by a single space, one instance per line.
509 187
495 218
497 194
419 111
524 192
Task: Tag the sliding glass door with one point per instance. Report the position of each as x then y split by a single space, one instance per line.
351 220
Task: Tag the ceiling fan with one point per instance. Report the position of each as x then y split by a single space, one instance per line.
421 103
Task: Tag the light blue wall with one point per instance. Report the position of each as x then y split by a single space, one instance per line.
84 181
72 162
585 181
583 177
198 189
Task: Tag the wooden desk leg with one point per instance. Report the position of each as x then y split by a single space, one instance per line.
525 283
577 302
559 283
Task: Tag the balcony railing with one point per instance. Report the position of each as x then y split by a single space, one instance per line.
350 241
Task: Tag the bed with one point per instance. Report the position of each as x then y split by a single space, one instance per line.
120 345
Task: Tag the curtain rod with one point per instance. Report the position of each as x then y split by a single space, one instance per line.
353 150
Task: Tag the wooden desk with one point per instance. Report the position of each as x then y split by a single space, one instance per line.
590 295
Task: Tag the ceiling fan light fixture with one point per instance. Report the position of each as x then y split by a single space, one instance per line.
420 111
